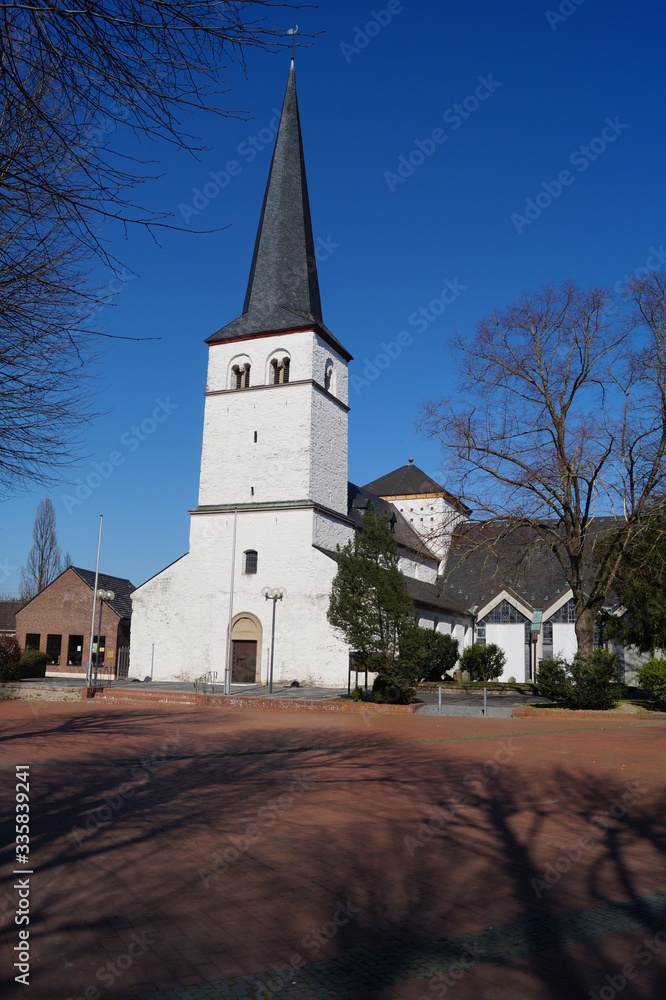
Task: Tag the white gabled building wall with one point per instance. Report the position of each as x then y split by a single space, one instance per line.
432 518
184 610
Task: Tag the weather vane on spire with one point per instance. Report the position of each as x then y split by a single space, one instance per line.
293 32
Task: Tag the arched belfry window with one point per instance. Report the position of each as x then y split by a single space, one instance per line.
240 376
279 371
250 561
329 377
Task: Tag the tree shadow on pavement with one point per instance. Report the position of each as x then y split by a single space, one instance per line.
235 858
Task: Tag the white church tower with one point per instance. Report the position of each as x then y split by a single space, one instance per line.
275 428
273 485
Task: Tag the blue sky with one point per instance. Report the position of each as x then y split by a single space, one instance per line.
575 87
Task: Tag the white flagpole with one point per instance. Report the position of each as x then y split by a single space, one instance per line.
92 623
227 669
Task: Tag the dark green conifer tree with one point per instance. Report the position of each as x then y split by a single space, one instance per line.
370 603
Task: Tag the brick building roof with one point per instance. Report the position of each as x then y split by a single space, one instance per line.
122 588
121 604
8 611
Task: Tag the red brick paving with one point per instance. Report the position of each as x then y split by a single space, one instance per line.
350 831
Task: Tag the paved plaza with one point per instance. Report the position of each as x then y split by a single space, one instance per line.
183 853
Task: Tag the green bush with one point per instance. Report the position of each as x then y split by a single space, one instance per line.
357 694
430 653
393 686
33 663
483 662
553 680
588 682
594 681
652 677
10 654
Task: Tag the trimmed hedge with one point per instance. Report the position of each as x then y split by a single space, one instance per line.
33 663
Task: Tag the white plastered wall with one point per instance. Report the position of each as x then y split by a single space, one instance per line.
433 519
300 451
328 454
564 640
184 610
510 638
417 567
276 467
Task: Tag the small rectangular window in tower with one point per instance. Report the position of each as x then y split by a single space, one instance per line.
251 560
251 491
255 437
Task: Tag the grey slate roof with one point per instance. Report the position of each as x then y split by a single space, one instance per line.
359 499
283 287
409 479
121 604
490 556
435 596
8 611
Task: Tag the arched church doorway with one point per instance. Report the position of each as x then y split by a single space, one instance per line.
246 633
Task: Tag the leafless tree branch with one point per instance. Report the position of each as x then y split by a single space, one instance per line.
560 426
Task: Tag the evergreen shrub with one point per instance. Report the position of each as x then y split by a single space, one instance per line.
652 677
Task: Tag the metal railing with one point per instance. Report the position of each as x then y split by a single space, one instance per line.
206 683
122 663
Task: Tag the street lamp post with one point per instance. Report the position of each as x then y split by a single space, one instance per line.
102 595
276 594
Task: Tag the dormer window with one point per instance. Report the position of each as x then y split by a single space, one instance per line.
279 371
240 376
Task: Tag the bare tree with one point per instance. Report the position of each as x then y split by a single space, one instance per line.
45 349
136 66
43 564
560 426
72 79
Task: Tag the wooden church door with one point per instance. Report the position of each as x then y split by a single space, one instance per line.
244 665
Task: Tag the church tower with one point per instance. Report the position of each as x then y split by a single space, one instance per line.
275 425
272 501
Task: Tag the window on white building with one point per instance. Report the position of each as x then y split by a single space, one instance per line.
241 376
251 559
566 614
280 371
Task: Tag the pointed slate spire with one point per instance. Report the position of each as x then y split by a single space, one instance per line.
284 268
283 288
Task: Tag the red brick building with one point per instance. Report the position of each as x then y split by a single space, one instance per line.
57 621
